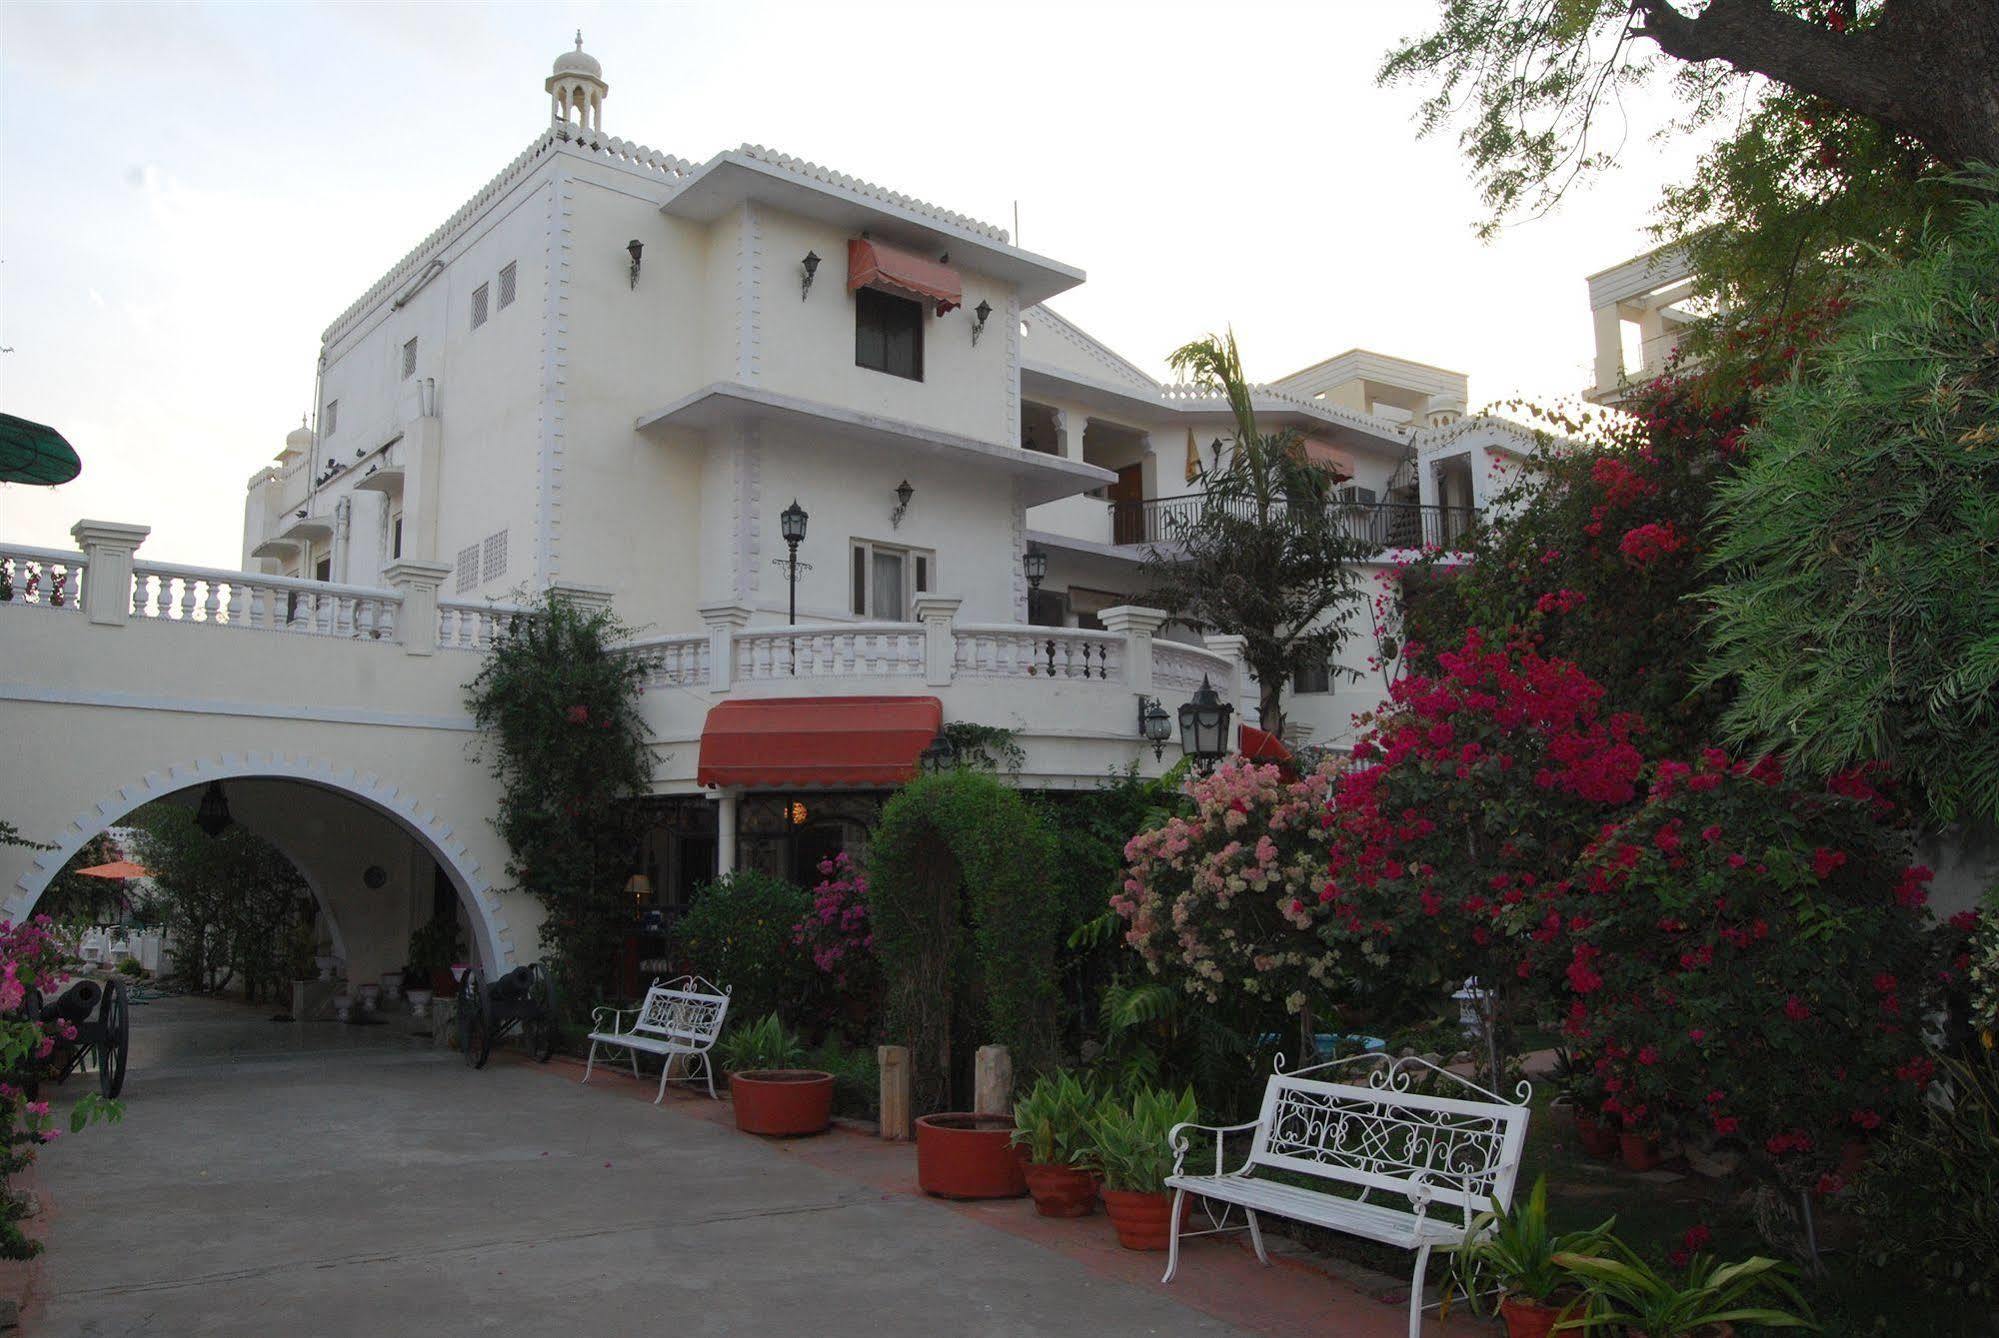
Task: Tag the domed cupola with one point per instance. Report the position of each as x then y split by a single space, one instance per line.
576 89
297 442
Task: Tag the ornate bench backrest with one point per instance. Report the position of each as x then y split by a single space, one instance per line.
689 1010
1465 1153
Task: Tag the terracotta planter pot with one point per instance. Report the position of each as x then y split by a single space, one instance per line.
1061 1191
1597 1141
1142 1219
961 1156
1527 1319
782 1103
1853 1154
1640 1149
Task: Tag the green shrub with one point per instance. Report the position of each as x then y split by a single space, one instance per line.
130 967
1129 1140
856 1078
1052 1122
739 933
763 1044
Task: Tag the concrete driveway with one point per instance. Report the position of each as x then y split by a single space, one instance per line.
317 1179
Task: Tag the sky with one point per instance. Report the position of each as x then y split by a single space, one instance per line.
190 194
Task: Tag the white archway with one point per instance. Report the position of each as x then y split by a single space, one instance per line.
483 908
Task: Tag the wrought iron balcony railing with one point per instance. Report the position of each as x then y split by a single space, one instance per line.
1380 524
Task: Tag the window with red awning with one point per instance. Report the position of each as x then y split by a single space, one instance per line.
872 264
835 741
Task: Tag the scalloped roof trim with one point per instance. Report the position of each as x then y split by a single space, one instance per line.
811 171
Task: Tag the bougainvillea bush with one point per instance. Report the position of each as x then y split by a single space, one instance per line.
1749 959
1451 836
1217 900
837 934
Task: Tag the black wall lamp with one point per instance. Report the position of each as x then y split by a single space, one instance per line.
811 267
984 313
635 248
1154 725
1204 727
1035 563
903 492
941 755
212 813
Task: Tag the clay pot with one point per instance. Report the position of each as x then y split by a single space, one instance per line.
1597 1140
1527 1319
962 1156
782 1103
1061 1191
1142 1220
1640 1149
1853 1155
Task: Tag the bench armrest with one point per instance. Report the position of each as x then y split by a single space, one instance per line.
602 1011
1177 1139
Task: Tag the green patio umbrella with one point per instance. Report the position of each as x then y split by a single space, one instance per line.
35 453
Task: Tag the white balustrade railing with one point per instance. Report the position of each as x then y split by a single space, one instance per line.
473 626
1181 667
993 650
838 650
41 578
263 603
671 661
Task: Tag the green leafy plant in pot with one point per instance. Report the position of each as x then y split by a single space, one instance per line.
1052 1131
771 1094
434 946
1625 1295
1129 1145
1515 1252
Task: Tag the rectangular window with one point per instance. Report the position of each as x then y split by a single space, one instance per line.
886 580
409 359
479 306
331 417
468 567
507 285
496 556
322 570
395 536
1312 678
888 333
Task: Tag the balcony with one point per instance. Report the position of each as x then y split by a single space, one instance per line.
1379 525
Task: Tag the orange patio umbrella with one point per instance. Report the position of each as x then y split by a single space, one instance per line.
117 868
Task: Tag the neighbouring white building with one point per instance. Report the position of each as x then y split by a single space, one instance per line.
613 370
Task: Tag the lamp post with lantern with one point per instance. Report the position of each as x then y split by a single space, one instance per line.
1204 727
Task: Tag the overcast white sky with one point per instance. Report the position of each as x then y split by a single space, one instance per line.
189 194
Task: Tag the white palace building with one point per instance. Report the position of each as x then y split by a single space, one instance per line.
611 372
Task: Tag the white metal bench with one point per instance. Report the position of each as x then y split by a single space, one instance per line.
678 1021
1406 1152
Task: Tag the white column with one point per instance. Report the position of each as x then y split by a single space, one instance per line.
1137 625
107 568
725 830
938 614
1069 433
722 620
416 620
1609 347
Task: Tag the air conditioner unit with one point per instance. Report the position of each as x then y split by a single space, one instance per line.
1357 495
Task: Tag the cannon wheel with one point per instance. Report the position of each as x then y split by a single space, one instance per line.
475 1020
541 1026
114 1020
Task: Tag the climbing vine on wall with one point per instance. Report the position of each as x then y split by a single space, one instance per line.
965 925
558 715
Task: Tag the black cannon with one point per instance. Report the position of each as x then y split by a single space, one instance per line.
522 1000
102 1017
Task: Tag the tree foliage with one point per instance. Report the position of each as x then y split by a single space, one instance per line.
228 902
563 734
1264 556
1859 540
964 926
72 898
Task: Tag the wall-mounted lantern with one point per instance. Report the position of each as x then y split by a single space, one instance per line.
1154 725
811 267
984 313
212 813
1204 727
1034 562
941 755
635 248
903 492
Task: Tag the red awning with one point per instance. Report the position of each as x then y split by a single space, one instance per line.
117 868
817 741
1258 745
873 265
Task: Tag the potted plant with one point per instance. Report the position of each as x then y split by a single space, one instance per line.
1129 1145
771 1095
1639 1145
1051 1128
433 946
1515 1252
1625 1295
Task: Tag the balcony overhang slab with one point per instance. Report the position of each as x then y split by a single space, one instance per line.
1044 478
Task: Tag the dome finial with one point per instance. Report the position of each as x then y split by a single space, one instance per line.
579 39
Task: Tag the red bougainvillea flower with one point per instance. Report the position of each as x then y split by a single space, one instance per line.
578 715
1824 862
1796 1009
1648 543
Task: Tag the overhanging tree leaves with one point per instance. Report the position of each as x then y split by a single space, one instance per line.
1266 556
1860 538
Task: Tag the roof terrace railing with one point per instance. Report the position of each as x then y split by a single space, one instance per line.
1380 525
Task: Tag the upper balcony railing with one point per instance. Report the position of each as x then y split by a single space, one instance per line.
1375 524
